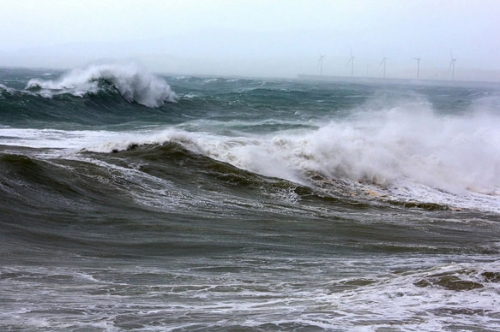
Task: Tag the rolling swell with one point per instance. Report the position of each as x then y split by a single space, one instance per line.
163 200
54 188
201 182
88 207
146 201
193 171
171 160
145 178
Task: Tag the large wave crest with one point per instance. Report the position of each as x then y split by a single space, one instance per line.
131 80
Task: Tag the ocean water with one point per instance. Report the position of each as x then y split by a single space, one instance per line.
137 202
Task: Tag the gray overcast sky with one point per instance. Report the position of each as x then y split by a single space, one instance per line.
255 37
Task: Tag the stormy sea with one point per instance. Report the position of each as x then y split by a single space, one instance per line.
131 201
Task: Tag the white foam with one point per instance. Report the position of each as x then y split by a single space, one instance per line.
133 82
53 138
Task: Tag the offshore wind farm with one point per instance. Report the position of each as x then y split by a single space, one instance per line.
396 70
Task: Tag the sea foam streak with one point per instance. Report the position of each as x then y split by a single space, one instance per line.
132 81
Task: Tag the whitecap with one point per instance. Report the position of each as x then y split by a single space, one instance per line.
131 80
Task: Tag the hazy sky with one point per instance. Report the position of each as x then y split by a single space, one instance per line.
255 37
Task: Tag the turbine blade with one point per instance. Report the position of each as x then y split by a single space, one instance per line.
320 60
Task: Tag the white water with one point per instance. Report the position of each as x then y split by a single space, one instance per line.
399 153
133 82
369 301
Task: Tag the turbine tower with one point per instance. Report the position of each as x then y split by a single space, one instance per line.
418 66
351 60
320 64
452 66
383 63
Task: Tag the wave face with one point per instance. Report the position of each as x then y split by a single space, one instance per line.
132 81
247 204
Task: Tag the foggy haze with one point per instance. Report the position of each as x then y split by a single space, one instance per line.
258 38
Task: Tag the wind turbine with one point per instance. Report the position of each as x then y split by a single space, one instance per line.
320 64
418 67
383 63
452 66
351 60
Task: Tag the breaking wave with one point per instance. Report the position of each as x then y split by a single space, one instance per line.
451 153
132 81
391 153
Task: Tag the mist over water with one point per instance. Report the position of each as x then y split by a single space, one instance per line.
132 201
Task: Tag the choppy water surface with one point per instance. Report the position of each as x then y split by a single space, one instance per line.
130 203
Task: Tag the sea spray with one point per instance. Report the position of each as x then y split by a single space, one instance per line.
131 80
